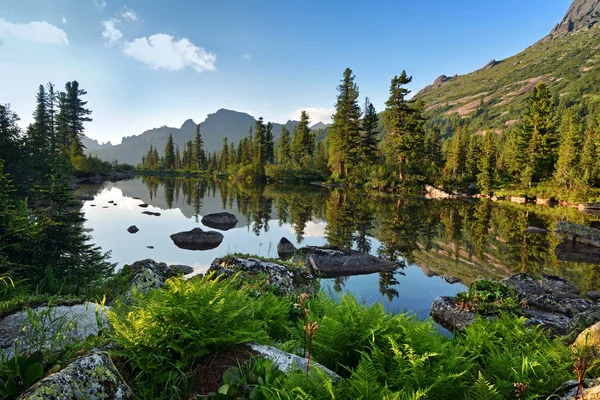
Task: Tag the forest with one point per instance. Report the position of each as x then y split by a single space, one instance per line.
552 151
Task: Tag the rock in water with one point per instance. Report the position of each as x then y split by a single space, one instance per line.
197 239
92 377
285 249
446 312
223 221
143 205
328 262
285 279
133 229
74 322
579 233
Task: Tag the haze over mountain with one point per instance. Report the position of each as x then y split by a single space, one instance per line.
224 123
495 96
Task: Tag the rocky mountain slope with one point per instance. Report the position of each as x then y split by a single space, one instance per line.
224 123
494 96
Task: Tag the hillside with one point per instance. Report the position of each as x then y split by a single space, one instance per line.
495 95
224 123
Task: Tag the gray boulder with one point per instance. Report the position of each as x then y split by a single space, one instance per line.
327 262
558 324
577 252
524 284
36 329
149 274
579 233
555 284
286 279
92 377
197 239
285 249
287 361
184 269
223 221
448 313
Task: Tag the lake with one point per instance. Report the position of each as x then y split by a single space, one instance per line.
468 240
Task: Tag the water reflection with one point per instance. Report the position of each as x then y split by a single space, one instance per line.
468 240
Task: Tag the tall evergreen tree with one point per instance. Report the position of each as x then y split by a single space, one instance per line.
269 144
9 136
433 146
486 163
303 143
192 161
590 153
404 125
224 162
284 153
456 161
344 133
169 158
177 162
567 173
369 138
198 153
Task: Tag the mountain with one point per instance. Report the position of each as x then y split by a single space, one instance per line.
495 96
224 123
92 144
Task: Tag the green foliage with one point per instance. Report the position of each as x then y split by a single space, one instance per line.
19 373
248 380
490 298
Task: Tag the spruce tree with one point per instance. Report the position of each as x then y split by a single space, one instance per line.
232 154
177 164
269 144
404 124
433 146
486 163
567 173
224 162
169 158
344 133
456 161
370 134
9 136
198 153
303 143
284 153
590 154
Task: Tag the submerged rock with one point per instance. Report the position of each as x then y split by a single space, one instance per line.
285 249
197 239
223 221
284 278
37 329
133 229
91 377
286 362
327 262
579 233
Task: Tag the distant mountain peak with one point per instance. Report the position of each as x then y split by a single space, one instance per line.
583 14
189 123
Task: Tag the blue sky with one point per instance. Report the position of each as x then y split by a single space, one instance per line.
150 63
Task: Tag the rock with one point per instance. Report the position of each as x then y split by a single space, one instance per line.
184 269
92 205
104 206
133 229
498 198
286 279
582 14
588 340
524 284
143 205
518 199
585 319
558 324
535 229
543 202
451 279
149 274
151 213
588 206
72 322
326 262
223 221
593 294
285 249
577 252
111 201
150 247
446 312
555 284
197 239
84 198
91 377
287 361
579 233
591 390
435 193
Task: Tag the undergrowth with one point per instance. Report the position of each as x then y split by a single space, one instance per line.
164 335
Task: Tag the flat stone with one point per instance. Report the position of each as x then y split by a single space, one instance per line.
92 377
111 201
197 239
535 229
223 221
577 252
287 361
524 284
74 322
150 247
151 213
518 199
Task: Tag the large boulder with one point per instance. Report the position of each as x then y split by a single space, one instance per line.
326 262
285 249
286 362
197 239
449 314
579 233
38 328
577 252
223 221
149 274
557 285
92 377
283 278
588 340
591 390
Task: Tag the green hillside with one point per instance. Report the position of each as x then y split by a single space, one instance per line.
494 97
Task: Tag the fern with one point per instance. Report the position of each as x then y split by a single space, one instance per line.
482 389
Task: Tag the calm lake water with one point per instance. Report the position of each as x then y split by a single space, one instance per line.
467 240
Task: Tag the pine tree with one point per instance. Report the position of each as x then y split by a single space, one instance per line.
198 153
9 136
303 143
192 161
269 144
473 150
457 154
232 154
344 133
177 163
486 163
404 125
52 104
566 173
224 163
434 148
369 135
169 158
284 153
590 154
77 116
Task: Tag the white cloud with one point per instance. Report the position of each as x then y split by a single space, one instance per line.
100 3
247 57
110 31
64 20
315 114
129 14
36 31
162 51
